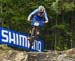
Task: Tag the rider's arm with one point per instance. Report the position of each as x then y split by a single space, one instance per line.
31 14
46 18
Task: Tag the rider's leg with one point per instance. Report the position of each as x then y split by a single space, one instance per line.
38 31
31 38
31 32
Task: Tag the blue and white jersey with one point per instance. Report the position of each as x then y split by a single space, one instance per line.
35 12
33 16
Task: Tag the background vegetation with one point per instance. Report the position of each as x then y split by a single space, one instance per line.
59 33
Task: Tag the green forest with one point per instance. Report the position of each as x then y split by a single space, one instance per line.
58 34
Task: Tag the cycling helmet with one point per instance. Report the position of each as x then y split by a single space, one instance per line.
41 8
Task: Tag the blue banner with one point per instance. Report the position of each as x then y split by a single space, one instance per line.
19 40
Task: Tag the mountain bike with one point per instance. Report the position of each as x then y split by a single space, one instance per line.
35 32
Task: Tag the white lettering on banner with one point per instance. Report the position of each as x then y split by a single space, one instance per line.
4 34
14 38
17 42
10 37
23 39
38 46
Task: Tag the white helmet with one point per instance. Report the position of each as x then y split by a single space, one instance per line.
41 8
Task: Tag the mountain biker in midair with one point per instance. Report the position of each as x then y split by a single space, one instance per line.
39 14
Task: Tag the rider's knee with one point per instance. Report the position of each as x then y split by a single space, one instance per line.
30 31
38 33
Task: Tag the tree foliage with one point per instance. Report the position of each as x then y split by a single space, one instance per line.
59 33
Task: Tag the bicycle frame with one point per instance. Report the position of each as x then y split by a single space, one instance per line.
34 31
